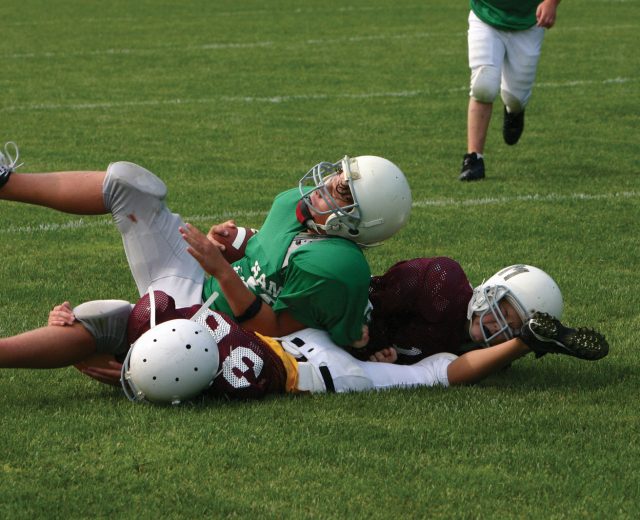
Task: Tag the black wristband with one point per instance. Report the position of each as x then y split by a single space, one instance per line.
251 311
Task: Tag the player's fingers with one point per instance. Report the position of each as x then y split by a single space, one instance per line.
195 237
61 316
377 356
195 254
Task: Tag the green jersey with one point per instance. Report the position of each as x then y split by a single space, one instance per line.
322 282
507 15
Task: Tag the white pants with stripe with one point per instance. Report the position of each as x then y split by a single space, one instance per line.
348 374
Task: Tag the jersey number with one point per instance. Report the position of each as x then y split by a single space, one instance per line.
241 363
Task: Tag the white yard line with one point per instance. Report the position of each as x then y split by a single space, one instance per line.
26 107
94 222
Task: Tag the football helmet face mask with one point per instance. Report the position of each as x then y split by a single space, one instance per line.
381 198
173 361
528 290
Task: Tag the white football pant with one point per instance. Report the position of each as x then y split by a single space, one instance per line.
325 367
155 250
503 62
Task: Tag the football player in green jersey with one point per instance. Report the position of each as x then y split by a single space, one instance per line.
505 41
305 268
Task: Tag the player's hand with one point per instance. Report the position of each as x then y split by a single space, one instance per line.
61 315
203 250
386 355
220 229
364 340
108 375
546 14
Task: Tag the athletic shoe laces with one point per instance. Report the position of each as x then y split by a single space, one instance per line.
8 160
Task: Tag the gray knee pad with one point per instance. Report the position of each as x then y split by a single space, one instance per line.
106 320
485 84
124 175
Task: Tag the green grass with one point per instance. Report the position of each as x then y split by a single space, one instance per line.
231 102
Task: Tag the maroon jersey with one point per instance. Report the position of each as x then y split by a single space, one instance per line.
420 304
249 368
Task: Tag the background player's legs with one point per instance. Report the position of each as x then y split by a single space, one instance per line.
478 118
520 66
71 192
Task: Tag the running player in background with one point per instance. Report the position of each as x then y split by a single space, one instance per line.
505 42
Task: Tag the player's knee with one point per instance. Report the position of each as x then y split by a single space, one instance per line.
512 102
106 321
131 175
485 83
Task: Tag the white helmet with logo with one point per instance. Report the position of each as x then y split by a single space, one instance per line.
381 198
527 288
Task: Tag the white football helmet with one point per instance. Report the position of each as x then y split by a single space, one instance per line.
381 198
170 363
527 288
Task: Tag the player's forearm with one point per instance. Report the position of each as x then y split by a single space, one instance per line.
248 309
478 364
238 296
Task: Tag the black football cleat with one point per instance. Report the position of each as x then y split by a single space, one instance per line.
512 127
472 167
8 163
544 334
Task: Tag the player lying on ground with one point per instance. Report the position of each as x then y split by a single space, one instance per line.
173 361
306 264
169 362
427 305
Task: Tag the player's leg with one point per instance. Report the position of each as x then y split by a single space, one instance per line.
100 327
47 347
71 192
155 250
486 55
478 118
518 76
328 368
447 369
431 371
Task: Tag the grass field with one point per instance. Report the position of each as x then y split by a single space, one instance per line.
230 102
